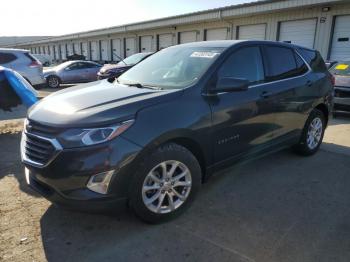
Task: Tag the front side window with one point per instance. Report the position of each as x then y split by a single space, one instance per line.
283 63
172 68
245 63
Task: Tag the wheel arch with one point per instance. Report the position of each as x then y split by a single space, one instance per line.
324 109
183 138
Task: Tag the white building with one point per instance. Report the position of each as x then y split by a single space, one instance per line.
319 24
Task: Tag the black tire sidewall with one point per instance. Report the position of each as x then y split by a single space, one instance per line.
48 81
166 152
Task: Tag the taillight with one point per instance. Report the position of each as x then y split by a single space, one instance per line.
35 64
332 80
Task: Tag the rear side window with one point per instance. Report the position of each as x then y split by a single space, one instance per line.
32 58
282 63
7 58
245 63
314 59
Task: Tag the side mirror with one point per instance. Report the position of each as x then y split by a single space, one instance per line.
230 84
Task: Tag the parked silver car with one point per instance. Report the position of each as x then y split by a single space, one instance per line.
24 63
71 72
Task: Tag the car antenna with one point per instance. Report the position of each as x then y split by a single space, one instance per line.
121 59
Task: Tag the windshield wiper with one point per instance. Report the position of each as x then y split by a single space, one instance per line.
138 85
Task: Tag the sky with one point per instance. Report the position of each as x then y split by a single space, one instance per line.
58 17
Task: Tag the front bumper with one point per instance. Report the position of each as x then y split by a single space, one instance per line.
341 99
63 181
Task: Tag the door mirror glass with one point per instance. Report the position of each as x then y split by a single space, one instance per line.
230 84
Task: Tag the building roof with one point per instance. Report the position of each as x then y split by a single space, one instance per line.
261 6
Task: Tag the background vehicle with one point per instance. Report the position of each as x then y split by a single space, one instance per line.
151 137
71 72
44 59
15 90
329 64
114 71
341 73
76 57
24 63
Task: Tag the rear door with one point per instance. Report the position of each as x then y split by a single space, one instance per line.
289 88
242 121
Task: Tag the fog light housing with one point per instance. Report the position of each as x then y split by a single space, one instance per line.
99 183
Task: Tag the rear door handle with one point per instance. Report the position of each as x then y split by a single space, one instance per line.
309 83
265 94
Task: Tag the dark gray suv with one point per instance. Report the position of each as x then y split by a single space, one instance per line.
155 134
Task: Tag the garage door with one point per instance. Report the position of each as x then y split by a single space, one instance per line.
70 49
130 46
165 40
248 32
57 52
216 34
52 52
146 43
76 48
340 49
188 37
94 51
104 50
63 51
116 49
84 50
299 32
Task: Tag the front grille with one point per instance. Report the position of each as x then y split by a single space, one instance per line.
339 107
40 129
341 93
38 145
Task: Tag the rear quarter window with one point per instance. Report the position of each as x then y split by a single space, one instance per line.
314 59
6 58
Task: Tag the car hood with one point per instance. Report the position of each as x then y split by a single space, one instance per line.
342 81
97 103
49 71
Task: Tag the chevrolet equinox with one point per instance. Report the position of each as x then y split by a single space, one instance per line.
150 138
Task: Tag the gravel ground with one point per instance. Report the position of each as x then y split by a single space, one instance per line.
279 208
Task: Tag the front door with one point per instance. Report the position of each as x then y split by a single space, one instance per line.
242 121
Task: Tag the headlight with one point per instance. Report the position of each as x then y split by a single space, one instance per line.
92 136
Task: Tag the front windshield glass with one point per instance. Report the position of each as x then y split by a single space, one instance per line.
63 65
172 68
342 69
133 59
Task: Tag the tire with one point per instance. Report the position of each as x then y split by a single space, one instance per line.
53 82
149 174
311 138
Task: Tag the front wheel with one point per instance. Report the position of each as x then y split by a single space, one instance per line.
312 135
165 184
53 82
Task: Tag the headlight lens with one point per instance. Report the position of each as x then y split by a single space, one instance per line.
92 136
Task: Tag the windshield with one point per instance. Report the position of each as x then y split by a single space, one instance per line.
172 68
133 59
63 65
342 69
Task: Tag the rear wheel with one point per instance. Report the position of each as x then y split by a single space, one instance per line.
53 81
312 135
165 184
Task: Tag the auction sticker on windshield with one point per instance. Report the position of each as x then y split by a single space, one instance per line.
204 54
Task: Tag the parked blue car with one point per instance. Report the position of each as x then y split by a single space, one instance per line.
15 90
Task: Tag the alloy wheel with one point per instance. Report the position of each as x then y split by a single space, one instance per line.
314 133
166 187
